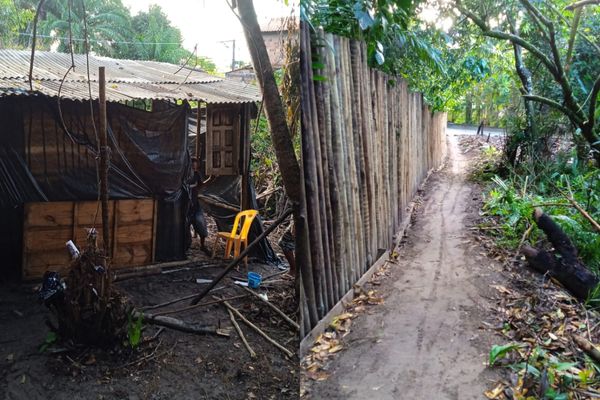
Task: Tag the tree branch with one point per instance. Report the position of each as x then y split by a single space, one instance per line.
559 75
549 102
579 31
581 3
507 36
537 13
539 19
593 101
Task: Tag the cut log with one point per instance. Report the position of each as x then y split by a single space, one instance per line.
179 325
566 267
587 347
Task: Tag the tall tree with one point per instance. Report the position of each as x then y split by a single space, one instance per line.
282 140
156 39
13 20
549 47
107 21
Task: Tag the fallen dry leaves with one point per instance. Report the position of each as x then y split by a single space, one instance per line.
542 318
330 342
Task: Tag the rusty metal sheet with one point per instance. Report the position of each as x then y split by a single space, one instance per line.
126 79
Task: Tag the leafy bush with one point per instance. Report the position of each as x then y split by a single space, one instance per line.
512 201
134 330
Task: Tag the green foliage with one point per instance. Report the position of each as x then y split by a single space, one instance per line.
156 38
204 63
112 30
12 21
513 209
134 330
487 165
559 376
396 42
512 201
50 339
560 73
499 351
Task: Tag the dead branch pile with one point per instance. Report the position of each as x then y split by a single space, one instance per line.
89 310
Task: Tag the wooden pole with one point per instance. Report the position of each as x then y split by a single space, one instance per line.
103 163
179 325
198 132
305 270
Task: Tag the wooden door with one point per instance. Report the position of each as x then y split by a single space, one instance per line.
223 140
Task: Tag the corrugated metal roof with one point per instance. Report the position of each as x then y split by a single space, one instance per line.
126 79
277 24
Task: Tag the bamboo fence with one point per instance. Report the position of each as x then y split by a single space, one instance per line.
367 145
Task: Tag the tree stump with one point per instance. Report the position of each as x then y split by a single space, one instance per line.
562 263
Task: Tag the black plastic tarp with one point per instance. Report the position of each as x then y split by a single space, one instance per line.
224 195
40 160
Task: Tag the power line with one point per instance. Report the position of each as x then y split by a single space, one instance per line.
27 34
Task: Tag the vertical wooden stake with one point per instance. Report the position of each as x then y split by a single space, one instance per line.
198 132
103 162
245 155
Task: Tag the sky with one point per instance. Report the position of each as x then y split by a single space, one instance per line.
212 25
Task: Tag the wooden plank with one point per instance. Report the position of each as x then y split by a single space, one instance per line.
44 259
48 226
55 214
154 214
140 233
115 227
42 240
89 215
129 254
135 211
74 218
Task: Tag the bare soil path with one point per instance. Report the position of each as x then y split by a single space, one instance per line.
427 340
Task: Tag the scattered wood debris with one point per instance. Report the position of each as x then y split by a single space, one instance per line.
550 335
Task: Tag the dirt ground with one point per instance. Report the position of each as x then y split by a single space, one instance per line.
175 365
428 340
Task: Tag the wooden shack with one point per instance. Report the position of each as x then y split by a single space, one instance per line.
48 152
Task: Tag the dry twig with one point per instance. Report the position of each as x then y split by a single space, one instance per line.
241 334
258 330
274 308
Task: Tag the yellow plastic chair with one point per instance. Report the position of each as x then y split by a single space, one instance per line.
238 235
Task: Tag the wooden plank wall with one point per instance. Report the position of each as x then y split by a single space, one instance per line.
49 225
368 144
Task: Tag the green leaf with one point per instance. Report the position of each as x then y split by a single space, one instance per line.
563 366
500 351
365 21
134 330
50 339
379 57
530 369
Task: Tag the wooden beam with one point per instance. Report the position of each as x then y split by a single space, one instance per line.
198 132
103 162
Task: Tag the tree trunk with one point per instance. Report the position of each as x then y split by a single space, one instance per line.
567 268
527 88
469 108
280 134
